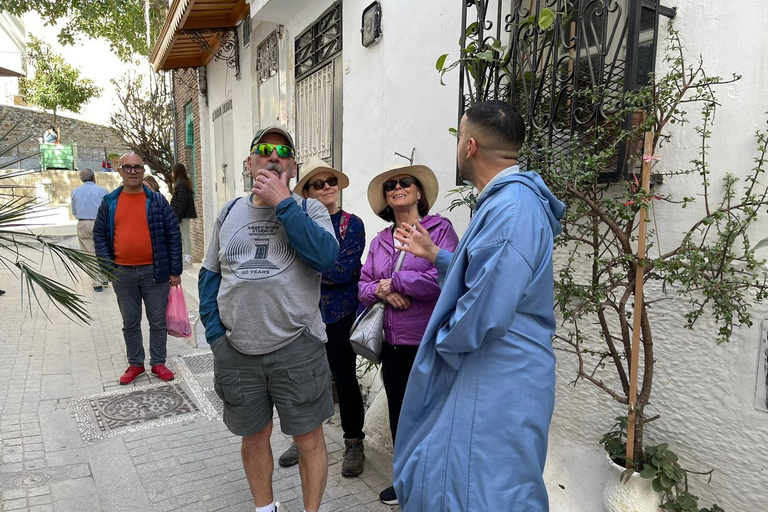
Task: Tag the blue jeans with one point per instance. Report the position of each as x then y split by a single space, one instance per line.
137 284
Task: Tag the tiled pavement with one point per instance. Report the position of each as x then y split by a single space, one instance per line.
55 457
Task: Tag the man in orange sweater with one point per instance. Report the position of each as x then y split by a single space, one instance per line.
137 230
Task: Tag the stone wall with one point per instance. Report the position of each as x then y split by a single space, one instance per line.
184 92
94 141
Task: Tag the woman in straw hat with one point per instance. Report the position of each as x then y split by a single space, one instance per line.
403 194
339 307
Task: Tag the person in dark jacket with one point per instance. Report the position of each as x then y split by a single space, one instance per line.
137 230
183 204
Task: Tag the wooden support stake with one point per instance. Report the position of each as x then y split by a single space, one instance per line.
639 278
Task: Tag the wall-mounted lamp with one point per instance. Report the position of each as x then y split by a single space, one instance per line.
371 30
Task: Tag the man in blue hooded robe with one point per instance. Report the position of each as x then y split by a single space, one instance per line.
474 423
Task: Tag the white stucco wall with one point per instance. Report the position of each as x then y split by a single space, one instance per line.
704 393
393 100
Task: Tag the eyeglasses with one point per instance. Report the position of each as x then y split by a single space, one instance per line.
266 149
406 182
320 184
134 169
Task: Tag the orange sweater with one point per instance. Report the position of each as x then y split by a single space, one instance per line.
133 244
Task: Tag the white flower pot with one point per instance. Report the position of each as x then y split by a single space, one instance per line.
633 495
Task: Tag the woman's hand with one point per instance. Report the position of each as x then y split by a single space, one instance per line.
416 241
384 288
398 301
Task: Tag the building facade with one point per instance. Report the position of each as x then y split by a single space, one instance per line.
356 83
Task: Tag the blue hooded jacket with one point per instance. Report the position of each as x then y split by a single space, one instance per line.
163 230
474 423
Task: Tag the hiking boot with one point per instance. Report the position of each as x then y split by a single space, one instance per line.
354 455
290 457
388 496
130 374
161 371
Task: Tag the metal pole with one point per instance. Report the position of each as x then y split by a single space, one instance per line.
639 277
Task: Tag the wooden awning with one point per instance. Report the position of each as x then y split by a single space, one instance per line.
193 30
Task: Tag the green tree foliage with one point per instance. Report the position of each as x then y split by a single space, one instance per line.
121 22
56 85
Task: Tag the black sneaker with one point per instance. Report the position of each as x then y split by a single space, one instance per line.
388 496
354 455
290 457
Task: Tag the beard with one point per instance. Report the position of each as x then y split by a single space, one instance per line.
274 167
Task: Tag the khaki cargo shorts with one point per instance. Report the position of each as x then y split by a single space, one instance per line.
295 379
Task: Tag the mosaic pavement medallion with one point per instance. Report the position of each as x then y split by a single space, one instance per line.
116 412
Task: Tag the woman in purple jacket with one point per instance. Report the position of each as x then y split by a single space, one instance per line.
403 194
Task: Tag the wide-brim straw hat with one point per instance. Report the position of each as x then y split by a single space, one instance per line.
315 165
422 173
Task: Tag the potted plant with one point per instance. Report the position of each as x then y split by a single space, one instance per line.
713 267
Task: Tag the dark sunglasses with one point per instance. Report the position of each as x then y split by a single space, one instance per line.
320 184
134 169
266 149
406 182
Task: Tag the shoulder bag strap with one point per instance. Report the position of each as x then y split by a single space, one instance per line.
344 224
399 261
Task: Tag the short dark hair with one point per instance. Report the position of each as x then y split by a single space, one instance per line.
388 214
500 121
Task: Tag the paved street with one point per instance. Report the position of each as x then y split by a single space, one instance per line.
72 439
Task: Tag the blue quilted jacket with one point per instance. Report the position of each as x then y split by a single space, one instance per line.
163 229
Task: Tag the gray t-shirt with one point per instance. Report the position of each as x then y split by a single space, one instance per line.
268 294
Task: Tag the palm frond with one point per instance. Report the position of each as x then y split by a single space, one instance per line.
65 299
24 252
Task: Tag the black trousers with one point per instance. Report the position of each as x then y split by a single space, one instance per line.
396 364
343 362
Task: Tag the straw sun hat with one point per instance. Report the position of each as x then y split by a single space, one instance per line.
313 166
422 173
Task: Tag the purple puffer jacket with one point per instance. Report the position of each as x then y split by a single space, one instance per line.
416 279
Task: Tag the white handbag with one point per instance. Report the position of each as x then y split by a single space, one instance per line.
367 333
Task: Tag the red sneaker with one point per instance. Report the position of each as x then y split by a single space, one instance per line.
161 371
130 374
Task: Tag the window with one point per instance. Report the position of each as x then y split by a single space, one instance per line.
319 42
267 58
189 135
610 45
246 27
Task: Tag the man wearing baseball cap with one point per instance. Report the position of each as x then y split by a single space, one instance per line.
259 292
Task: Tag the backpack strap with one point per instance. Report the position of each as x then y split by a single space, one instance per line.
304 205
229 209
344 224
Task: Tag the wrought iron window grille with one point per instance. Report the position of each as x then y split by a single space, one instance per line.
319 43
609 45
267 58
228 45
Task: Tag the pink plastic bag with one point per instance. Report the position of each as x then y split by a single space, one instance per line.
176 314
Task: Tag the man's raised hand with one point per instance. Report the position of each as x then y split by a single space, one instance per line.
416 241
270 187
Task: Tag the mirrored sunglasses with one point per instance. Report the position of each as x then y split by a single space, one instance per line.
406 182
320 184
266 149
